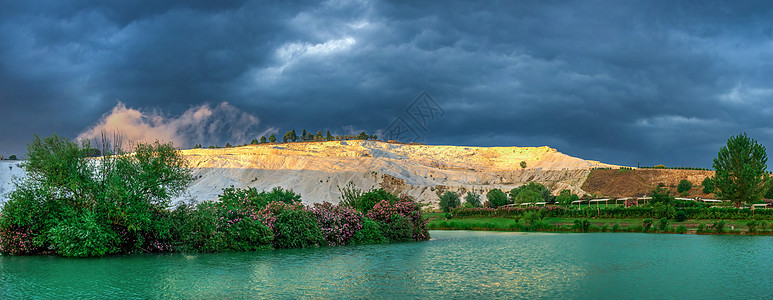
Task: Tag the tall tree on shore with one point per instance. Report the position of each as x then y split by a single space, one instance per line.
272 138
329 137
741 170
263 139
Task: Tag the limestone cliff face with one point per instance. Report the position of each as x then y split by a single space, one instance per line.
316 169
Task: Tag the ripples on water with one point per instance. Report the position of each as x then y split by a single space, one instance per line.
454 264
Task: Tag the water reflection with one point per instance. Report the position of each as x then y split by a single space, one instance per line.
452 265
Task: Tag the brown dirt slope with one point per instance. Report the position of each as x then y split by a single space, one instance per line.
640 182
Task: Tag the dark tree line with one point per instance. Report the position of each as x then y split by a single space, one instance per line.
291 136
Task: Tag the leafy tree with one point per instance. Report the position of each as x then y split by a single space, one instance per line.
290 136
263 139
523 164
527 196
472 199
448 201
12 157
708 185
565 197
272 138
254 142
661 195
496 198
362 136
540 189
684 186
368 200
228 145
76 207
741 170
328 137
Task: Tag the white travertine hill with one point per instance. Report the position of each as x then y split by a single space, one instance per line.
316 169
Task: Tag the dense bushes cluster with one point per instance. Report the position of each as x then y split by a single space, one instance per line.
73 205
278 220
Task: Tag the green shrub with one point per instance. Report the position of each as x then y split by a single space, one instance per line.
194 226
581 225
246 234
684 186
472 199
681 229
496 198
763 226
616 227
719 226
647 224
708 185
540 225
83 236
663 210
701 228
530 217
566 197
663 224
636 228
400 229
369 199
527 196
662 196
752 226
680 216
371 233
250 197
297 228
449 200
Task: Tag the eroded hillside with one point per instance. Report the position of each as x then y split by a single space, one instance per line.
316 169
640 182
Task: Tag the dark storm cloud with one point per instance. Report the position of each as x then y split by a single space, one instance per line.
650 82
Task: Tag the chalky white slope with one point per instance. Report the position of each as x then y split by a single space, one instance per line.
316 169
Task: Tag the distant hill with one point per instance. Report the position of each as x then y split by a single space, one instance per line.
315 169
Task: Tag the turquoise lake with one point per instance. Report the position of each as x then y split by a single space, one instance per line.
454 264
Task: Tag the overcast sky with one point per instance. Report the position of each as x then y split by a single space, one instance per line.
623 82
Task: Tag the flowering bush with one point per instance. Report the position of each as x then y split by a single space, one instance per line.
338 224
400 219
16 241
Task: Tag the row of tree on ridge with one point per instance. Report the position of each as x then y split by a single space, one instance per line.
291 137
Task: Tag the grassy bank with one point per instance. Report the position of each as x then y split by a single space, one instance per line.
438 221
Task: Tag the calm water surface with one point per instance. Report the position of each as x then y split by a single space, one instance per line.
454 264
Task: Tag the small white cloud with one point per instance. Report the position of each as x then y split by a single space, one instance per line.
743 94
